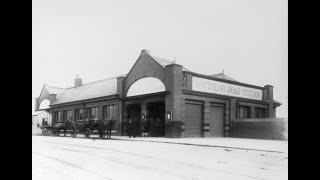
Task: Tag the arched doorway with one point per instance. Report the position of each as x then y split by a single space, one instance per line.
145 104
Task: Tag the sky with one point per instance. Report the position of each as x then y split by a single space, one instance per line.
97 39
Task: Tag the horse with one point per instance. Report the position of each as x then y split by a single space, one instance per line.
110 126
63 126
106 125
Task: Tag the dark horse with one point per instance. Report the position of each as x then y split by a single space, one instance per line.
106 125
63 126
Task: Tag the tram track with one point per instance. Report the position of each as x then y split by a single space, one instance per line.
191 166
71 164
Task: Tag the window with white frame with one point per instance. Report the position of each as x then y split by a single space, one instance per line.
92 113
109 112
67 115
79 114
56 116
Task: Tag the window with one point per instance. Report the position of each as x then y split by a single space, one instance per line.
108 112
67 115
56 116
243 112
92 113
79 114
260 112
44 121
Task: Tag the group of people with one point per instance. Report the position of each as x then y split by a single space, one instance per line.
133 130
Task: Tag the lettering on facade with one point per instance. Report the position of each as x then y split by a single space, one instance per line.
216 87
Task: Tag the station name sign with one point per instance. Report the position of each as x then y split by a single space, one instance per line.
221 88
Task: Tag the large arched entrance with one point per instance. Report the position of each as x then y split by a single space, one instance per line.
145 106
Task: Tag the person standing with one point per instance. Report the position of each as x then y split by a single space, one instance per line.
146 126
134 128
129 128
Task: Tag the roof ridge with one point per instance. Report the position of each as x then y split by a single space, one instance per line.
109 78
222 74
55 87
162 59
216 74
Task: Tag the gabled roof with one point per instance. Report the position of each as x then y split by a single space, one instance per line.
164 62
35 113
101 88
222 76
54 90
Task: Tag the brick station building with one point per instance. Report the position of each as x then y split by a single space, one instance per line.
177 102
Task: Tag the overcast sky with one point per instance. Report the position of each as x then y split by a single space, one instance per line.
97 39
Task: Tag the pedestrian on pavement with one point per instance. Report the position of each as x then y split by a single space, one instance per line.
129 128
134 128
146 126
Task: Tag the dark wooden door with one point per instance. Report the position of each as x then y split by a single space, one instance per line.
216 121
193 120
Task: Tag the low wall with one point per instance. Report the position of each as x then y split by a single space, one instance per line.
267 128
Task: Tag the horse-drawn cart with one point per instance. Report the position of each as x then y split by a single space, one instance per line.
87 127
55 129
46 130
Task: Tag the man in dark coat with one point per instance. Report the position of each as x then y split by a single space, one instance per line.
134 128
146 126
129 128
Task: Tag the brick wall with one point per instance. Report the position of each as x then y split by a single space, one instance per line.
268 128
145 66
98 104
45 95
174 100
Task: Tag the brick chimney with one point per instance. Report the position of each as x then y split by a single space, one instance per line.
77 82
269 99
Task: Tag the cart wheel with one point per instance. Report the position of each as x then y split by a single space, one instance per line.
74 133
87 133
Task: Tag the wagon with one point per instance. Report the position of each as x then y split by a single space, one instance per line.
55 129
87 127
48 129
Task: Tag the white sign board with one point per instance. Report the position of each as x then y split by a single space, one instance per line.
146 85
217 87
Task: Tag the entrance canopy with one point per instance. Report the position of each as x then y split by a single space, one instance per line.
146 85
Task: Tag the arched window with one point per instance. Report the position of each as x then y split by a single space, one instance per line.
146 85
44 104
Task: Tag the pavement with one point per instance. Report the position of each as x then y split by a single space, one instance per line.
219 142
125 158
275 146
